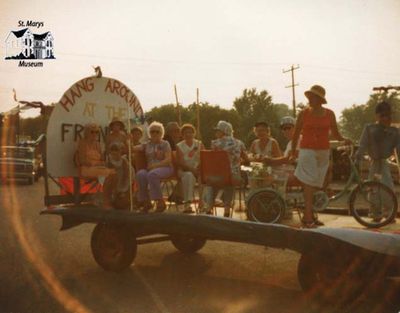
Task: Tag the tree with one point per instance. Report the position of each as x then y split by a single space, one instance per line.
354 119
33 126
252 107
209 117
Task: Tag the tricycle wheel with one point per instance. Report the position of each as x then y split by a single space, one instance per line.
113 247
265 206
187 244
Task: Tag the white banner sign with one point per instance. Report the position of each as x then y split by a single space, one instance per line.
92 99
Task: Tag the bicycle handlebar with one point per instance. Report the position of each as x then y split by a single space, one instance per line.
347 149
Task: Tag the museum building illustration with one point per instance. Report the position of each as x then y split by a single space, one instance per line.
23 44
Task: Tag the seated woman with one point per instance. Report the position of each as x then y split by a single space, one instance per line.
188 159
285 162
225 142
264 145
159 166
117 135
90 160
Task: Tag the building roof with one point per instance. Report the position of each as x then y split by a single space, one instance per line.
19 33
40 37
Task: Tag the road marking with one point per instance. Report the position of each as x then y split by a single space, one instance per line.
157 300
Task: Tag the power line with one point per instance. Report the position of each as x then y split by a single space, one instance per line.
293 85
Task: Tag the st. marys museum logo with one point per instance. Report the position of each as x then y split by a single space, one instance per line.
26 46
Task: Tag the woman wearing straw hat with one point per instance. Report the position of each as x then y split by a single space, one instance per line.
315 123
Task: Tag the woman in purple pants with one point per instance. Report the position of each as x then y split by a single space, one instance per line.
159 166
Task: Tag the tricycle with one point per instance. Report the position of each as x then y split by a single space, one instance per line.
370 202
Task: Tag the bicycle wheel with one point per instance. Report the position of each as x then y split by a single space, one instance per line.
373 204
265 206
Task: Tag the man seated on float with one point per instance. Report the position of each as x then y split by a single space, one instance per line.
90 160
136 135
121 181
117 135
284 162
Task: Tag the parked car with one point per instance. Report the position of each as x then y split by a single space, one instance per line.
19 163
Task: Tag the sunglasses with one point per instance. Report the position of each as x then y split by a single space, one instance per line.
154 132
287 128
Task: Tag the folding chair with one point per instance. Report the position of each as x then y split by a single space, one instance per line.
215 171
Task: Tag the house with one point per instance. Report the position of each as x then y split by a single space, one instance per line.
43 46
23 44
18 42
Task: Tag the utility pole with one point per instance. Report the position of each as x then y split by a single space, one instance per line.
386 88
178 108
293 85
198 113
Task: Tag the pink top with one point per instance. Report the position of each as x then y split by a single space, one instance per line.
315 132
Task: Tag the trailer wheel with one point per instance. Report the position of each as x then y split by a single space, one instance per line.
188 245
113 247
327 281
307 272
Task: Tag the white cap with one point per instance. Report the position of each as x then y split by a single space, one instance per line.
287 120
225 127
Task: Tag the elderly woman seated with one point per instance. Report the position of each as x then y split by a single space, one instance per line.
188 159
224 142
159 166
89 159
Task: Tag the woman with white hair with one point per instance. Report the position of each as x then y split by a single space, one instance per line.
159 166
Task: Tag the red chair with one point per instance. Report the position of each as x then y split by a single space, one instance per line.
215 171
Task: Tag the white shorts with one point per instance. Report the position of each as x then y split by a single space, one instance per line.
312 166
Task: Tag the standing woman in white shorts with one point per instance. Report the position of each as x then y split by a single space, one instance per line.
316 125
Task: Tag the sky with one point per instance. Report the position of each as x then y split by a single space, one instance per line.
220 47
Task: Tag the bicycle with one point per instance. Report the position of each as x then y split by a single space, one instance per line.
371 203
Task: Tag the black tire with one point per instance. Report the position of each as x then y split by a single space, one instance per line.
307 276
113 247
265 206
187 244
365 196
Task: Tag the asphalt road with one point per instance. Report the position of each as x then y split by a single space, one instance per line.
43 270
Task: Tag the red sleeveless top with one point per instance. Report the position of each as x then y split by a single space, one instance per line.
315 132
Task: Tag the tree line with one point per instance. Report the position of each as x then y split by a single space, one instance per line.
250 107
